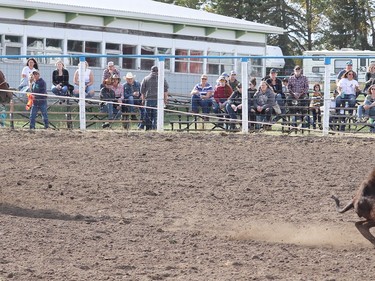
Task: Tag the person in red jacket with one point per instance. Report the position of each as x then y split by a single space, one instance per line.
221 94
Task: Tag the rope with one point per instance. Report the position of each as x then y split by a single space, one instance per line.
221 119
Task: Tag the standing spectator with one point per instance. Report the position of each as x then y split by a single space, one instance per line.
315 104
89 82
233 82
264 100
201 96
26 74
348 67
149 95
277 86
347 89
38 86
132 94
60 80
109 72
298 96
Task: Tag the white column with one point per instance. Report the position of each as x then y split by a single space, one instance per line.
245 105
160 116
82 94
327 96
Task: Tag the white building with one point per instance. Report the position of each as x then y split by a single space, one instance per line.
124 27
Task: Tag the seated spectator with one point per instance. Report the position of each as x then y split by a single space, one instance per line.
26 74
221 94
234 106
264 100
226 76
107 95
369 77
277 86
132 88
347 89
367 109
60 80
89 82
201 96
109 72
285 85
250 95
315 104
118 88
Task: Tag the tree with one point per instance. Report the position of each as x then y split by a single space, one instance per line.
309 24
194 4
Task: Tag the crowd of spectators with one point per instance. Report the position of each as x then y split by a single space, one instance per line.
289 99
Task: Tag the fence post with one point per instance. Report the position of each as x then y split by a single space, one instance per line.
82 93
327 95
245 97
160 112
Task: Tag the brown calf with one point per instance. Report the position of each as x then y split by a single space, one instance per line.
363 204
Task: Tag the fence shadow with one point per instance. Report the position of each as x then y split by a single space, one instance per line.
12 210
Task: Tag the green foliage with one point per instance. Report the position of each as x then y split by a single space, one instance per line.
309 24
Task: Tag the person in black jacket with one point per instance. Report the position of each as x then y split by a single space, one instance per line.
108 97
233 106
60 80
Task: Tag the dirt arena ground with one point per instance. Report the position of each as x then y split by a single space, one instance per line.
176 206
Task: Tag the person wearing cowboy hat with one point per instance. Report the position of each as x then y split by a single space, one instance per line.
132 96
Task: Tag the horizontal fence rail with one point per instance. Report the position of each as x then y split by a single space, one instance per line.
79 112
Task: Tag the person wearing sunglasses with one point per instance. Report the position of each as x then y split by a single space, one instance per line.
201 96
347 89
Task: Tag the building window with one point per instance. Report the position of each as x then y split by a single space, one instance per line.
92 48
181 64
12 45
167 61
255 67
188 65
44 46
317 59
113 49
318 69
129 63
147 63
219 63
84 47
196 64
